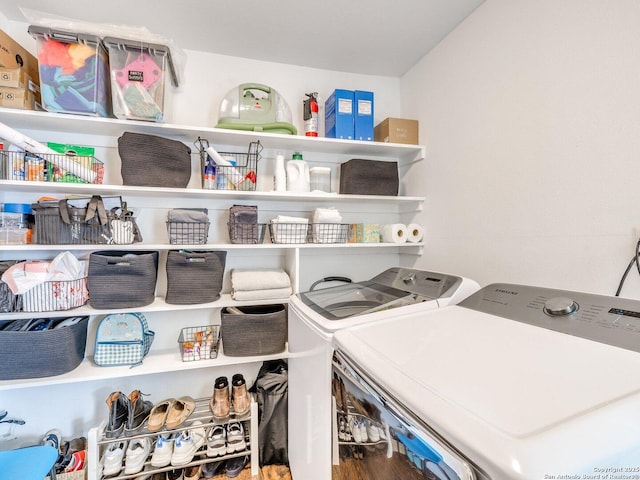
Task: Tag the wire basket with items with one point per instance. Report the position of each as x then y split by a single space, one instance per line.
199 343
229 170
188 226
48 167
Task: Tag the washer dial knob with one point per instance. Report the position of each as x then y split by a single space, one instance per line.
559 306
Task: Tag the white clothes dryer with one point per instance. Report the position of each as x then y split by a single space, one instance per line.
514 383
313 319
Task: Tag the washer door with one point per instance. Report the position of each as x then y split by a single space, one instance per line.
376 438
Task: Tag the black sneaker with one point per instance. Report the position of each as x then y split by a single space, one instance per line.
234 466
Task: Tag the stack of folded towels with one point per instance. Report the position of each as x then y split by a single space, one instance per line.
287 229
326 225
260 284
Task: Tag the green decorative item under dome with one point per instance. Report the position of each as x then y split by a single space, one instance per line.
255 107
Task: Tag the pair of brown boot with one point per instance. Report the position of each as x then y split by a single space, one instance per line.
224 401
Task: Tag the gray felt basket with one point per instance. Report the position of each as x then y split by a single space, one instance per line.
42 354
259 330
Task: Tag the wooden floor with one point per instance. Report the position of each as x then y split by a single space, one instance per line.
268 472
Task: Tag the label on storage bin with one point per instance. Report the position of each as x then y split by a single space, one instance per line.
136 76
345 105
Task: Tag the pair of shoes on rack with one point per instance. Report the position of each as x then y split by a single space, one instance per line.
223 401
126 414
130 454
225 439
170 413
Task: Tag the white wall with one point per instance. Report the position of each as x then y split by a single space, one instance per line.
531 116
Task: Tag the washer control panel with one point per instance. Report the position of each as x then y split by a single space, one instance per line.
419 282
611 320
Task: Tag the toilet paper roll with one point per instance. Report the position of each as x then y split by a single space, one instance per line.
393 233
415 233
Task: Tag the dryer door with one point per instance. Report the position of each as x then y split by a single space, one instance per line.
376 438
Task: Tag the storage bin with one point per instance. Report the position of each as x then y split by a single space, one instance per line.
138 72
121 279
258 330
74 72
188 226
194 277
199 343
58 222
281 232
56 296
8 301
246 233
369 177
42 354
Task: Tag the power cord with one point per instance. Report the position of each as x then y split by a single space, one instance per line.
636 260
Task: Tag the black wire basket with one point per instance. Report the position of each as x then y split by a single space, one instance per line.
242 175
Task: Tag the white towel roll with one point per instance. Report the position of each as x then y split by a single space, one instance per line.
393 233
415 233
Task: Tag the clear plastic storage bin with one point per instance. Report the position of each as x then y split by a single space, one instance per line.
138 72
74 72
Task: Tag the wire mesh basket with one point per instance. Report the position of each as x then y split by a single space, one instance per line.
242 174
54 296
288 232
188 233
247 233
45 167
199 343
328 233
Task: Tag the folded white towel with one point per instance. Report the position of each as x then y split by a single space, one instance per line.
267 294
259 279
286 219
326 215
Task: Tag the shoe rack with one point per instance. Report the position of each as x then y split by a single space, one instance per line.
98 442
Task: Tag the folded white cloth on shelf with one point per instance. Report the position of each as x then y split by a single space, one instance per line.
326 215
259 279
266 294
326 227
286 219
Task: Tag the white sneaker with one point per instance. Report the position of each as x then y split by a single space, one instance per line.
355 429
163 450
137 453
112 458
217 441
187 444
235 437
362 424
372 432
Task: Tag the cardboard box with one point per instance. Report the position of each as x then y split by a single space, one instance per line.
363 115
19 78
339 115
397 130
13 55
17 98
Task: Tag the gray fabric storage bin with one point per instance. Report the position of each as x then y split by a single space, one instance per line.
122 279
259 330
369 177
42 354
194 277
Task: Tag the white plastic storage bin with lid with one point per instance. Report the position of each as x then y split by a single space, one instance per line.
138 71
74 72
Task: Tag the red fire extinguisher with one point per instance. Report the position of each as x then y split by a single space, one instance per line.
311 114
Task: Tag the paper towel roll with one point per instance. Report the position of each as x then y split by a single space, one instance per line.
393 233
415 233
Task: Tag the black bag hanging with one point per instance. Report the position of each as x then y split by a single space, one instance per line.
271 389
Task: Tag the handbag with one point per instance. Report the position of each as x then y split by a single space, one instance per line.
122 279
122 339
152 161
72 221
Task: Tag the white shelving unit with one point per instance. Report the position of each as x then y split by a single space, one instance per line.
163 362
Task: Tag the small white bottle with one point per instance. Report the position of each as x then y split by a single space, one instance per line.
280 174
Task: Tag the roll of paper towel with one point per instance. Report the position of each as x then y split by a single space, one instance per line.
393 233
415 233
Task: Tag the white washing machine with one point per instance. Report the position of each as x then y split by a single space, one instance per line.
515 382
314 317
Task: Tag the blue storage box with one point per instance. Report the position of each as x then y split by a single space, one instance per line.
363 115
338 115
